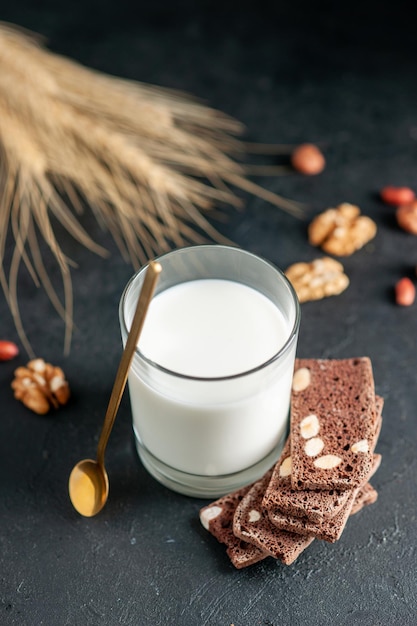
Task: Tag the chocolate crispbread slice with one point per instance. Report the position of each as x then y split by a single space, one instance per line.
280 515
316 504
367 495
328 529
251 524
217 518
333 418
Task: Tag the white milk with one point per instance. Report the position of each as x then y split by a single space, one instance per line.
207 329
212 328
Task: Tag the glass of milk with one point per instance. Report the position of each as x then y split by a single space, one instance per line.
210 382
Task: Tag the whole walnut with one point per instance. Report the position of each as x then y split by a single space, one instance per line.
40 386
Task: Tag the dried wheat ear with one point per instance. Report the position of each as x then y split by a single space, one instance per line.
150 162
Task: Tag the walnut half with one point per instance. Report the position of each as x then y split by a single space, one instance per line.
40 386
318 279
341 231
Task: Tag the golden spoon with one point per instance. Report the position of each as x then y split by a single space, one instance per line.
88 482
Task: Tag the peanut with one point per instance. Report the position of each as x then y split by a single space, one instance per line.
405 292
309 426
308 159
406 215
313 446
360 446
285 467
301 379
397 195
328 461
8 350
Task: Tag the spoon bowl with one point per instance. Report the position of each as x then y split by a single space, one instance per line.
88 487
88 482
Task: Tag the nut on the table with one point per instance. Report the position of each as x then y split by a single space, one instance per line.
40 386
318 279
341 231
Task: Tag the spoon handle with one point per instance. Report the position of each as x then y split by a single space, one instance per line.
145 297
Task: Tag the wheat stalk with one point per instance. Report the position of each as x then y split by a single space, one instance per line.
150 162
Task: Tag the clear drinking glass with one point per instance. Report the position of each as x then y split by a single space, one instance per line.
204 436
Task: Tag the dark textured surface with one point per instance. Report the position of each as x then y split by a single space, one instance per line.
344 77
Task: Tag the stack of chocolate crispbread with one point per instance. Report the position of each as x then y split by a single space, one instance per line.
321 477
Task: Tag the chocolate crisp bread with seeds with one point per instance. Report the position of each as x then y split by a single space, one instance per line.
333 420
328 529
217 518
366 496
316 504
251 524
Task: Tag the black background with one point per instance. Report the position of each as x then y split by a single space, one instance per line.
339 74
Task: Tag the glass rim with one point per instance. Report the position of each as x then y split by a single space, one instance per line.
275 357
